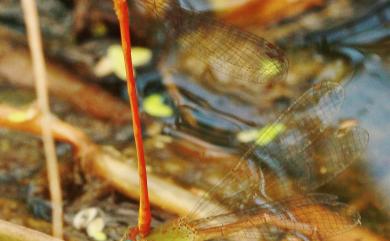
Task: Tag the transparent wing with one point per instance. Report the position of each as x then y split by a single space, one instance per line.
233 53
236 54
292 162
314 216
304 169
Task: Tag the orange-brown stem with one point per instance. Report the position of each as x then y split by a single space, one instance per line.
144 218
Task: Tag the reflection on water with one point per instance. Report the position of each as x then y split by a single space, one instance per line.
367 101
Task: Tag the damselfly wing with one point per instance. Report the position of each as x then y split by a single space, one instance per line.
267 195
234 53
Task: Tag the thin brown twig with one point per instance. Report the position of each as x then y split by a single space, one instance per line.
13 232
35 43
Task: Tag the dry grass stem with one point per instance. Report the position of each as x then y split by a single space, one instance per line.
35 42
13 232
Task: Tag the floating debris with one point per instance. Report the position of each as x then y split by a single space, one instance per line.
95 229
83 217
91 219
113 62
141 56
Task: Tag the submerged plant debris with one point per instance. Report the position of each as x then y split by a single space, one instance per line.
255 118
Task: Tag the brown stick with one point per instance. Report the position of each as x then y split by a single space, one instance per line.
13 232
107 164
29 122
